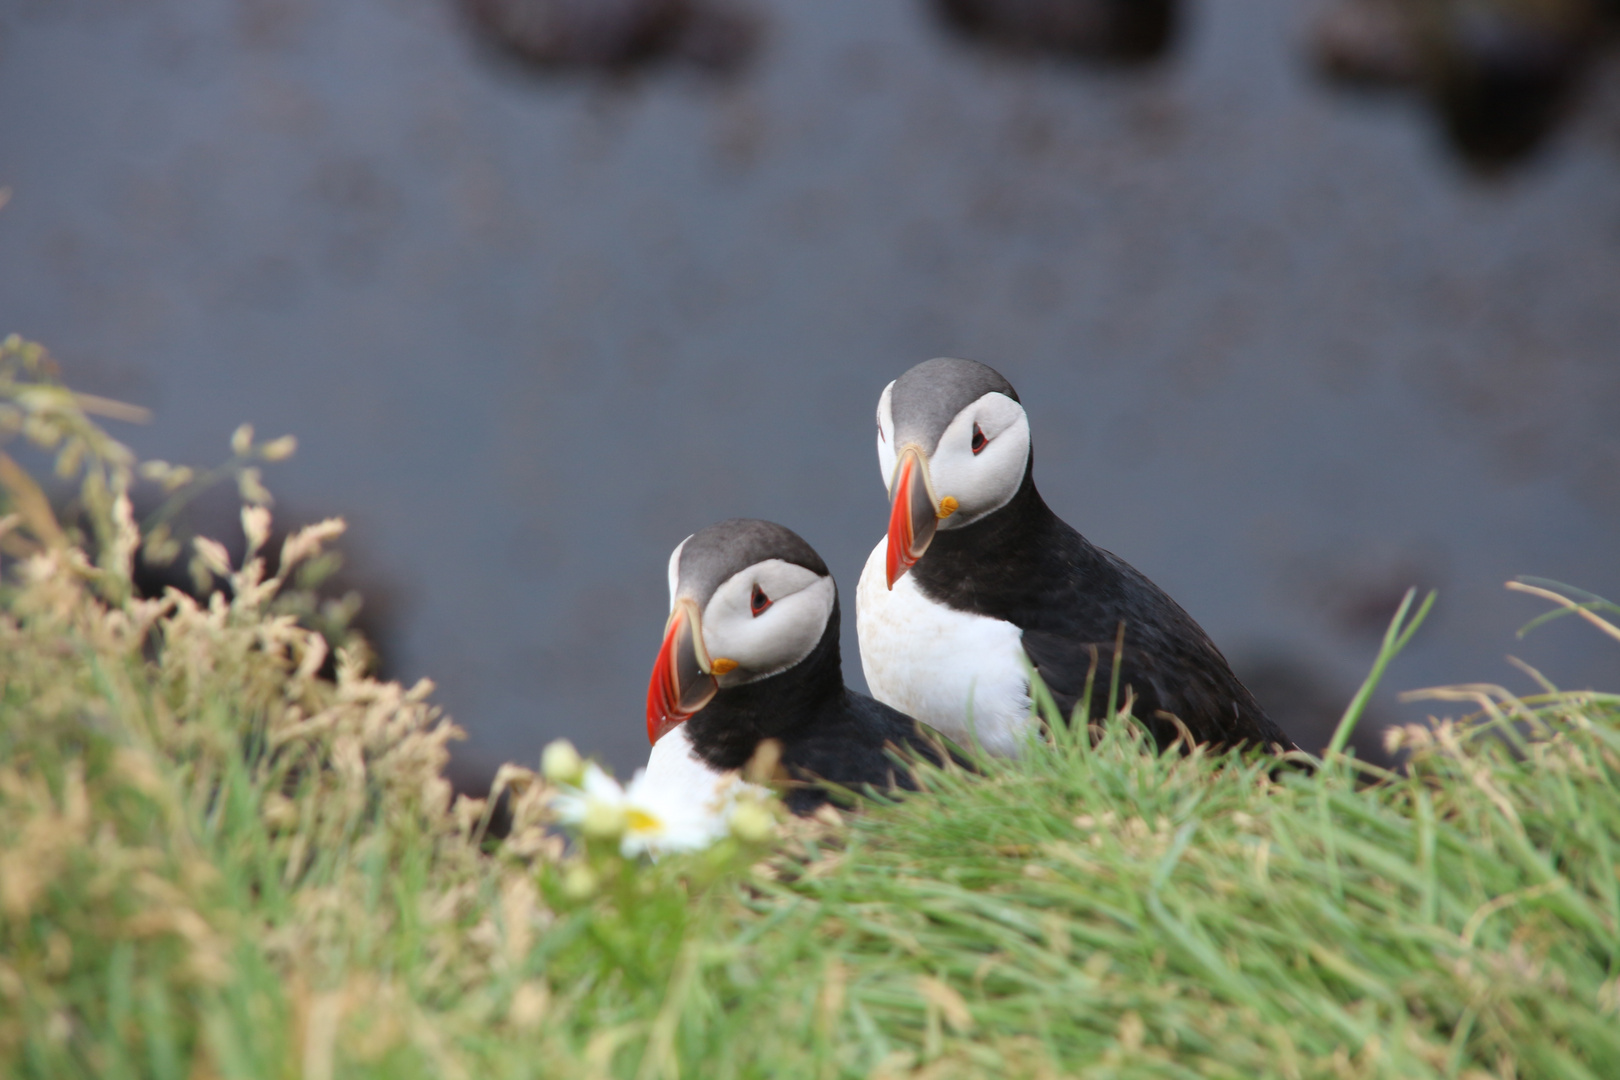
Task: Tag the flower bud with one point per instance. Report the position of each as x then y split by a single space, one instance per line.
561 763
751 823
603 820
579 882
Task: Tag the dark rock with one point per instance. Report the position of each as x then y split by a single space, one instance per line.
618 34
1367 43
1128 31
1505 80
1500 75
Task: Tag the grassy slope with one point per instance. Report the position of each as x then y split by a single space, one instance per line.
214 864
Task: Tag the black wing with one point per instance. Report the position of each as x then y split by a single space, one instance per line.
851 747
1200 690
1024 565
1166 659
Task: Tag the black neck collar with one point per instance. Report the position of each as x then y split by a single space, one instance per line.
988 566
726 731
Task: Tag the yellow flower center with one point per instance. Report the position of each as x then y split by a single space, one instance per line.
639 821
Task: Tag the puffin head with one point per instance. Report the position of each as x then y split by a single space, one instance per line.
953 444
748 599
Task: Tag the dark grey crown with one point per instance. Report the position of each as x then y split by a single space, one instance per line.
927 398
712 555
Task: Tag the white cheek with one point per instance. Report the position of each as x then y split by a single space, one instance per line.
982 482
778 638
885 442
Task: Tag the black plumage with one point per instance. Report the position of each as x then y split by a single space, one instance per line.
827 735
827 731
1021 564
1026 566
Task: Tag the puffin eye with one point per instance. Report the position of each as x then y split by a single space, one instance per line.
759 601
978 439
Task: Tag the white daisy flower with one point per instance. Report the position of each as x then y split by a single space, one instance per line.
659 820
675 775
646 818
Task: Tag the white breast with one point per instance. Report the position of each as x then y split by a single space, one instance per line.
953 670
676 774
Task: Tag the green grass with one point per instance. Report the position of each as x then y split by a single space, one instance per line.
215 864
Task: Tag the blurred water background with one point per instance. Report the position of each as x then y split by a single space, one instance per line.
1283 348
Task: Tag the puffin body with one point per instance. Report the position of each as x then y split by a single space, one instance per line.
674 768
959 671
978 577
751 653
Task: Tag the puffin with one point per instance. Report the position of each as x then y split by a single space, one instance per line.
978 581
750 653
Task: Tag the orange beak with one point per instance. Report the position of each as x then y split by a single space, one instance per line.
682 679
913 517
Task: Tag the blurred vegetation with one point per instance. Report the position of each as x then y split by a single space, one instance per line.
216 862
